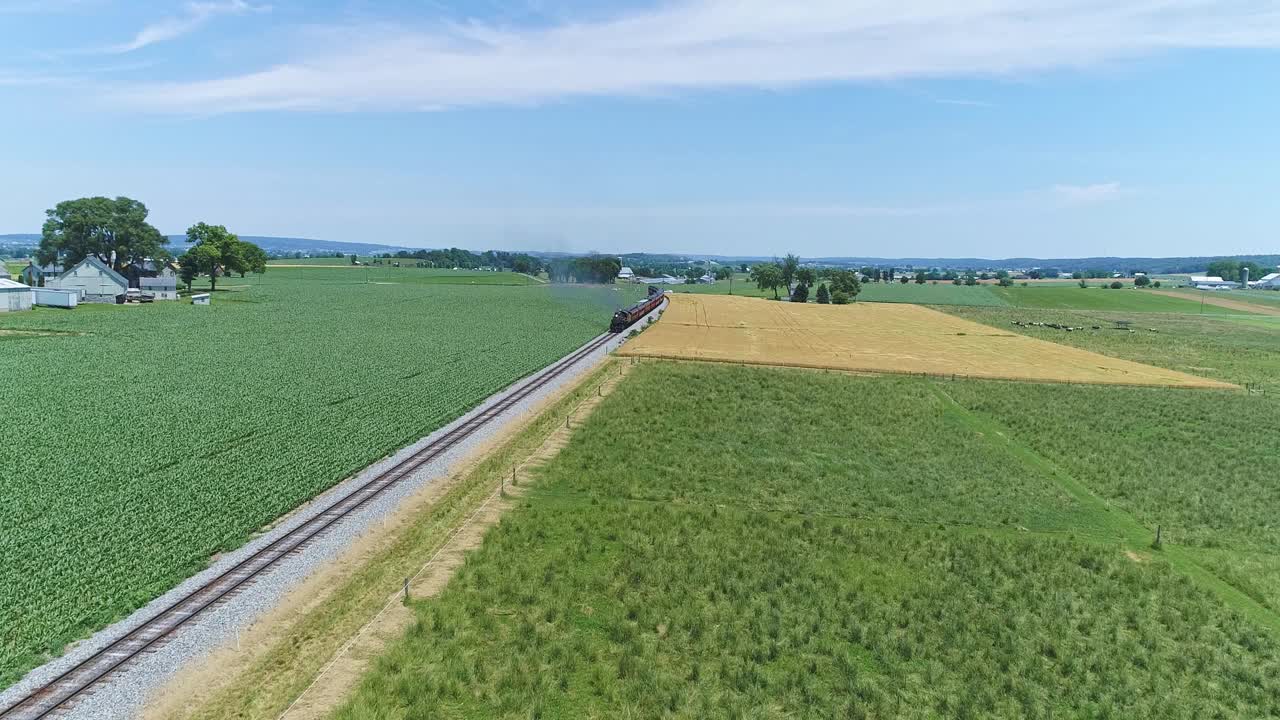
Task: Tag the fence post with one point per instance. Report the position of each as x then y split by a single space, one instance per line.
406 591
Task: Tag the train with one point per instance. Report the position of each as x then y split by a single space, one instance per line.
627 317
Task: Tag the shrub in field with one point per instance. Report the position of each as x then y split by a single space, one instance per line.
839 298
824 296
1116 285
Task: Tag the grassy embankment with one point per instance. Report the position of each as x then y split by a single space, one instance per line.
785 542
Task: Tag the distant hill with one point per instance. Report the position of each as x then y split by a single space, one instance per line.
1145 264
307 246
288 246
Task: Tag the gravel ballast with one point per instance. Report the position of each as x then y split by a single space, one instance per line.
125 692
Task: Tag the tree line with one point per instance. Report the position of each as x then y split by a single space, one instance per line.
116 231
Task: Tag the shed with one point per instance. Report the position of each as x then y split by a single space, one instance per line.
53 297
94 279
201 299
164 288
14 296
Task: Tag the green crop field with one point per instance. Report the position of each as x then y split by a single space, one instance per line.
808 544
349 274
141 440
1238 348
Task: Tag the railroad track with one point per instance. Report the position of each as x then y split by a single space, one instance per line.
60 693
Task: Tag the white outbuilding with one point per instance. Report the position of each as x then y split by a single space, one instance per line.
200 299
164 288
14 296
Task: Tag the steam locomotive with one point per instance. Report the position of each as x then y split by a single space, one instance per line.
627 317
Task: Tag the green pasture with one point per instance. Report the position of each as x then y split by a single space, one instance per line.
787 543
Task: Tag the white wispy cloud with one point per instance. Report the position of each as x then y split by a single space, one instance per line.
964 103
1086 194
711 44
194 16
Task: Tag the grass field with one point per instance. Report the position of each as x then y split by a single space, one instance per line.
872 337
791 543
402 275
141 440
1044 295
1128 299
1240 349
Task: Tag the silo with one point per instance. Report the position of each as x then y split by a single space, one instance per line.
1244 278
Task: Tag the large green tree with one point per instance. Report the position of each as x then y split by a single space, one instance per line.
768 276
217 251
845 282
790 264
114 231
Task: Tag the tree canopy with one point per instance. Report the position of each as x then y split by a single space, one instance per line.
216 251
845 282
1231 269
790 264
587 269
768 276
114 231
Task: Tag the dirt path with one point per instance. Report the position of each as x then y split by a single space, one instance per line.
1242 306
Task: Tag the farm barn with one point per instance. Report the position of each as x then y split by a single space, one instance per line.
95 281
14 296
164 288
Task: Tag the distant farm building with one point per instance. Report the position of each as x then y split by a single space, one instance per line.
137 272
37 275
200 299
1211 282
14 296
625 274
1270 281
164 288
94 279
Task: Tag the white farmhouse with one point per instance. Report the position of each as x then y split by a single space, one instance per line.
94 279
625 274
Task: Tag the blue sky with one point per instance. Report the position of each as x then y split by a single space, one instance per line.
986 128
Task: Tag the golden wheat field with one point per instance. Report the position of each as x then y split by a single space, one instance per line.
879 338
